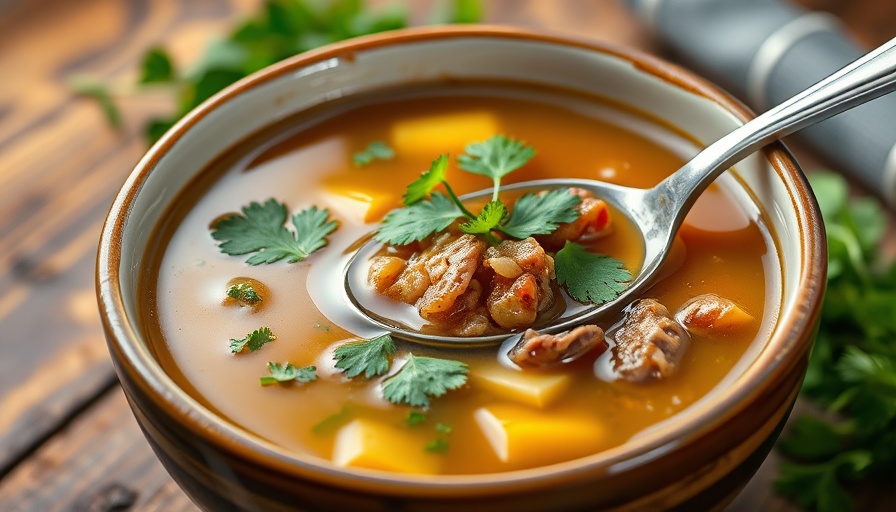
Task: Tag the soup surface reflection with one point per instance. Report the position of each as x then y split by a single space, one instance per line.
502 418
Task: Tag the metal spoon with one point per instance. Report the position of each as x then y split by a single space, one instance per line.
659 211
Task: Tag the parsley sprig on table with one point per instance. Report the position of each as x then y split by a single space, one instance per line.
260 230
852 370
419 379
495 158
279 29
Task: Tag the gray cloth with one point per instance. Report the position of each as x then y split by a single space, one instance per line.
764 51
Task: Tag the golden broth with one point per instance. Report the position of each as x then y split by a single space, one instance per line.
722 249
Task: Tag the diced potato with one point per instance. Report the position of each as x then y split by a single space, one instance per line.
373 445
522 436
710 315
536 389
433 135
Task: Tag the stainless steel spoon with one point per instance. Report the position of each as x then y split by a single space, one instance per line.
659 211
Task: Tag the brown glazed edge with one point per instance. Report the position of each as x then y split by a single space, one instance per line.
792 338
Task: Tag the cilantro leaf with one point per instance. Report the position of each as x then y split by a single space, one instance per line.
287 373
417 221
254 340
495 157
540 215
589 277
423 185
370 357
375 150
489 218
423 377
260 230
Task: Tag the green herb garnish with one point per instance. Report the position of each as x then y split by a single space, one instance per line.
370 357
495 158
376 150
244 293
423 377
333 421
260 229
438 445
589 277
253 341
416 418
288 373
852 369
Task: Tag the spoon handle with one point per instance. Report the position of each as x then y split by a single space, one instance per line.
868 77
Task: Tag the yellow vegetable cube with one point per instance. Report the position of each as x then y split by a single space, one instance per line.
521 436
375 445
536 389
434 135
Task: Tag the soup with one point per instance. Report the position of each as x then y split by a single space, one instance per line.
486 414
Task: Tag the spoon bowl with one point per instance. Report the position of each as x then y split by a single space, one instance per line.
658 212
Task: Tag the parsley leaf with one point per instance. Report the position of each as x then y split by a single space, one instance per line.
540 215
287 373
260 230
254 340
417 221
427 181
102 95
589 277
438 445
375 150
370 357
423 377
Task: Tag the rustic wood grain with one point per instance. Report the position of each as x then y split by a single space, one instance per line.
67 438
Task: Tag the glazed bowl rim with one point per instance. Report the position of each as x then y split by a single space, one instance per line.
141 367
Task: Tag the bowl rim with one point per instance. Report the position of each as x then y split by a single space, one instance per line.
122 333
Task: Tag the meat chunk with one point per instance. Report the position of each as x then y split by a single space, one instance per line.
711 315
594 218
450 269
649 344
536 349
521 283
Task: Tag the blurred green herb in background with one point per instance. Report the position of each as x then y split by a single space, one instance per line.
281 29
852 371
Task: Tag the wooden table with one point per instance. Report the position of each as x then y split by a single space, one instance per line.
67 438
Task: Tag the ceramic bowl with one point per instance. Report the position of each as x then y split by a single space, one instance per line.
699 461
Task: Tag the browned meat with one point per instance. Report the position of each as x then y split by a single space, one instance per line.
594 217
384 271
536 349
649 344
450 268
711 315
521 284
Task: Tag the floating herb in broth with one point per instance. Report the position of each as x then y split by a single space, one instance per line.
436 410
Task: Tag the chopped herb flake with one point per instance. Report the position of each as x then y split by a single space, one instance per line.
288 373
370 357
377 150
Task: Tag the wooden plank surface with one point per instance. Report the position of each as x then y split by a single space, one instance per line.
67 438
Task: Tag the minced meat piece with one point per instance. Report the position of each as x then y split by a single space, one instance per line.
649 344
536 349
